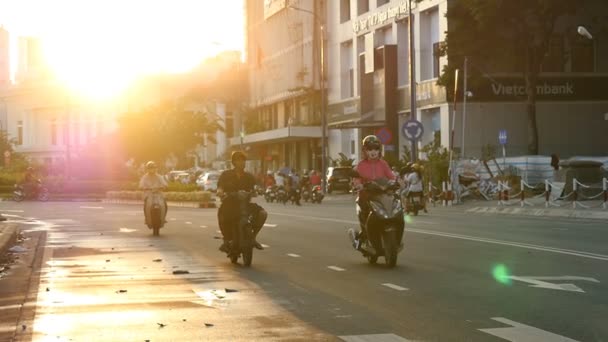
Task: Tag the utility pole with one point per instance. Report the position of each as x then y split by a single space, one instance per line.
412 56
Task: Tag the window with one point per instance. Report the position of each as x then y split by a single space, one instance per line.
436 60
381 2
54 132
582 55
554 58
19 132
362 6
352 147
344 11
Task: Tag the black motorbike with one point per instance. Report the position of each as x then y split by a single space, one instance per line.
242 233
384 223
412 202
294 196
281 195
305 193
316 195
35 191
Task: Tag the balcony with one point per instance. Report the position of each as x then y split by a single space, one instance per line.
280 135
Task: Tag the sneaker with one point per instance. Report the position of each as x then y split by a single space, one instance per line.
258 245
353 238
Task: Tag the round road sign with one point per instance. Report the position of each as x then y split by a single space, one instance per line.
412 129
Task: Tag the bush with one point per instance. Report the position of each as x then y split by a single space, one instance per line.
194 196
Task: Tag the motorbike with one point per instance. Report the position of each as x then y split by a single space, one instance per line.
36 192
155 210
316 194
242 234
281 194
305 193
385 222
270 194
412 204
294 196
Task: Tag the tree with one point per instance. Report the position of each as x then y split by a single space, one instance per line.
515 32
156 132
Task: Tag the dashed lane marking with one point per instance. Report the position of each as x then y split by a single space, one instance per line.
336 268
88 207
373 338
395 287
293 255
269 225
203 226
188 222
265 246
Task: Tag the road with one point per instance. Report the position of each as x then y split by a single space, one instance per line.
461 277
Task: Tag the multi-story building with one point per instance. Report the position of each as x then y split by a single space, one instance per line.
369 81
282 124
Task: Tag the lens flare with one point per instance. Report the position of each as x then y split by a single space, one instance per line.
501 274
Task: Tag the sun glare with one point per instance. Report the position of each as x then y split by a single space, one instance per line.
98 48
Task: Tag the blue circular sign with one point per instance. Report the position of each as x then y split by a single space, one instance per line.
412 129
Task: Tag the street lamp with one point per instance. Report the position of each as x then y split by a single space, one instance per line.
583 32
322 90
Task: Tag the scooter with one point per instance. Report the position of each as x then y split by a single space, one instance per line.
38 192
316 196
242 234
384 223
281 195
269 194
305 192
412 203
155 210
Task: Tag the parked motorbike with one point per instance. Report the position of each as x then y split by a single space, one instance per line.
316 196
36 192
242 234
384 224
270 194
155 210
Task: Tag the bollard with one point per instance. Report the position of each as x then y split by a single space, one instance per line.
450 195
444 192
605 188
574 192
522 197
547 193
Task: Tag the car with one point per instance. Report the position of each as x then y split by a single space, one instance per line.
338 178
208 181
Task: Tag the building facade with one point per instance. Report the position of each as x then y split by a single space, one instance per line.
282 124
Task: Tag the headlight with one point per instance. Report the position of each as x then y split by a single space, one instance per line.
378 209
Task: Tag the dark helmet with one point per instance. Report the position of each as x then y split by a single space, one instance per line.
371 142
150 165
238 155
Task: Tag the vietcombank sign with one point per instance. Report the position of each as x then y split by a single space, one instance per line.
547 89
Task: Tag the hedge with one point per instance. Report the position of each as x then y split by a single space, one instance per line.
196 196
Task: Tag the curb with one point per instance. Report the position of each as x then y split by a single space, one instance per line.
8 236
202 205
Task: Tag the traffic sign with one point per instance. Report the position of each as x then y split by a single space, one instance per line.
384 135
502 136
412 129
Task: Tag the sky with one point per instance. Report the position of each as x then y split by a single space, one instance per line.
105 44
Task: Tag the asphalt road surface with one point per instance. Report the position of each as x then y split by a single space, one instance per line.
98 274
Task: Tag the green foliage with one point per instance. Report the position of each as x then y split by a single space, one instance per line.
437 163
342 160
197 196
156 132
505 36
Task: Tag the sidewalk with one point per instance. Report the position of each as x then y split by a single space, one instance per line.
8 236
537 209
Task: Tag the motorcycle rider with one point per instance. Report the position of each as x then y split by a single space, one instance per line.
29 182
269 179
152 180
234 180
413 185
372 167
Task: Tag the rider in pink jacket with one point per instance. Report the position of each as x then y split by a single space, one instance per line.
370 168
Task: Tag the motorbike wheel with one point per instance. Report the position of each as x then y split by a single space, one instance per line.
372 259
389 242
234 258
43 195
17 197
248 256
156 221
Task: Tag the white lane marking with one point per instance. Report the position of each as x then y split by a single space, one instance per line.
336 268
87 207
338 220
12 211
523 333
203 226
474 238
269 225
218 231
127 230
293 255
538 282
395 287
374 338
188 222
265 246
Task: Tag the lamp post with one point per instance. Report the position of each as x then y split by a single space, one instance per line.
412 57
322 91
